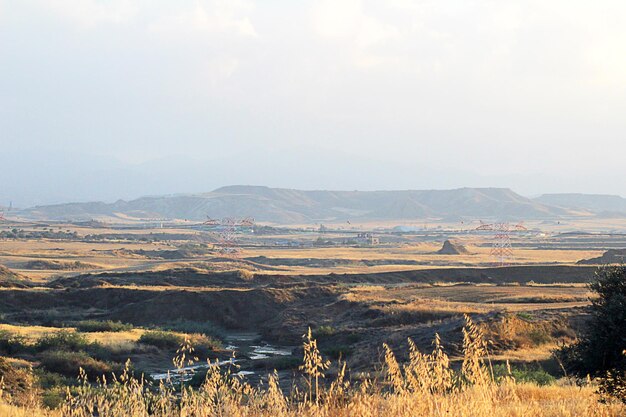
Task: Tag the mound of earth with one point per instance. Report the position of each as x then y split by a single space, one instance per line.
10 279
451 248
17 383
179 277
43 265
611 256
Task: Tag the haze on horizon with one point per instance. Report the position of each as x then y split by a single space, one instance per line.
124 98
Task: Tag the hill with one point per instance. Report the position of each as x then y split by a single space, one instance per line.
451 248
284 206
612 256
602 204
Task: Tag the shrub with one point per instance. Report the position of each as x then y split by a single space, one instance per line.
201 342
53 398
524 374
161 339
63 340
103 326
539 336
185 326
336 352
11 344
324 331
47 380
68 363
599 351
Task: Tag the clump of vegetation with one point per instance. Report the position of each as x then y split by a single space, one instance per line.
12 344
102 326
166 340
68 363
324 331
523 374
64 340
337 351
161 339
186 326
601 349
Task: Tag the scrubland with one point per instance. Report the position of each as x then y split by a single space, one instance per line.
424 385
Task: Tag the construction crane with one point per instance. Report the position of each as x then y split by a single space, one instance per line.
501 247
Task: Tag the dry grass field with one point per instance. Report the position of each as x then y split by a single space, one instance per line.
425 385
161 286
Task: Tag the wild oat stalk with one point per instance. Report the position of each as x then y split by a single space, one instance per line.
313 365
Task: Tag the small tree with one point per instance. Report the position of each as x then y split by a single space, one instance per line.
601 349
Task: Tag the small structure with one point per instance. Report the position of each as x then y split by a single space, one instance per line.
366 239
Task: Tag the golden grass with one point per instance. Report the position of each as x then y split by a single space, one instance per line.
425 386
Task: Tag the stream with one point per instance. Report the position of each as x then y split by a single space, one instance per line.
245 345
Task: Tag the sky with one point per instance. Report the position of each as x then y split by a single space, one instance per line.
101 100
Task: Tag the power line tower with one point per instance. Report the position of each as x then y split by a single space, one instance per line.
210 222
2 212
227 235
501 246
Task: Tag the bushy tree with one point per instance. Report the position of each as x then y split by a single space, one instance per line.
601 349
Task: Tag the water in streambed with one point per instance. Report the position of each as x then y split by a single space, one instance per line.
244 345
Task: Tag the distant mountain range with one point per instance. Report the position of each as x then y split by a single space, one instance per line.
284 206
599 204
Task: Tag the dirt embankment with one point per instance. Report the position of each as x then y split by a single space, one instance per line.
11 279
359 318
53 265
612 256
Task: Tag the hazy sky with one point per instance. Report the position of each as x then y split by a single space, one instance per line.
107 99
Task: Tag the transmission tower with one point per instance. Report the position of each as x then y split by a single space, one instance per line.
2 212
501 246
211 222
227 233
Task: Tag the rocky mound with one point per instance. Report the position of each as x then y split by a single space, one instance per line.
10 279
452 248
611 256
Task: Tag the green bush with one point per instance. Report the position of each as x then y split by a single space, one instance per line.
53 398
539 336
161 339
336 352
63 340
599 351
524 374
102 326
324 331
68 364
186 326
48 380
11 344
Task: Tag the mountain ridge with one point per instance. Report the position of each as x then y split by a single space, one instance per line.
286 205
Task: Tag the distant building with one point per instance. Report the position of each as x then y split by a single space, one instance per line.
366 239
